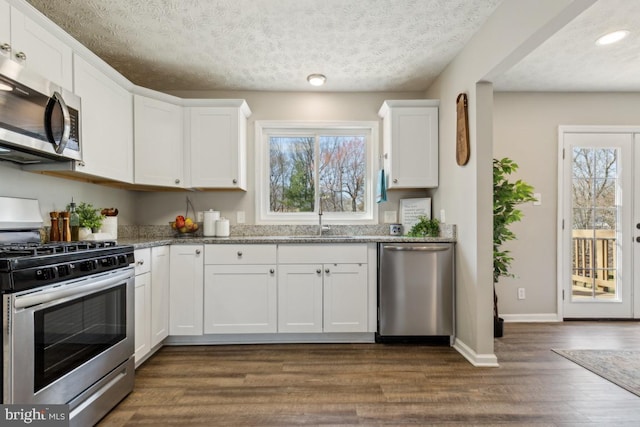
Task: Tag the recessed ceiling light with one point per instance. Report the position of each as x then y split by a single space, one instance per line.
612 37
316 79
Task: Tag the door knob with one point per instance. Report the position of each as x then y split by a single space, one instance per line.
638 239
638 226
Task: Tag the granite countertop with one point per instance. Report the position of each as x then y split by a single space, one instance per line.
140 243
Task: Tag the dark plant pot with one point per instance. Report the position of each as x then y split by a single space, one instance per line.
498 327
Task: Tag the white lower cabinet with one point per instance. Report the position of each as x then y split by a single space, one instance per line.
151 300
240 289
186 290
300 298
328 296
142 306
159 294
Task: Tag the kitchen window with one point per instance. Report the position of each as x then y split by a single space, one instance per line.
302 164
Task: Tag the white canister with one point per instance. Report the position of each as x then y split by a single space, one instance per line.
209 222
110 226
222 227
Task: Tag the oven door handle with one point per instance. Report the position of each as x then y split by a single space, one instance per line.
81 288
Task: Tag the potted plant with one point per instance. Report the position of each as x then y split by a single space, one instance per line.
507 195
425 227
90 217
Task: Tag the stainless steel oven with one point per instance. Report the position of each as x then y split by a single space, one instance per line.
66 338
67 319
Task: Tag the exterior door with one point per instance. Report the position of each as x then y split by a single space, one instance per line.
597 214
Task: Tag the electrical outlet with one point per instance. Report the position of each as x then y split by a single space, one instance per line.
521 293
443 219
538 197
240 217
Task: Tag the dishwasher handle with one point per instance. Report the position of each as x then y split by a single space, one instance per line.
421 248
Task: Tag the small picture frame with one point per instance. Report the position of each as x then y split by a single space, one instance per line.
412 209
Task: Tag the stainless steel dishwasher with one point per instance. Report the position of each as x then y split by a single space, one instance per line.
415 291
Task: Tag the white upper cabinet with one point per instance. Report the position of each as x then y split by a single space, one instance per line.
107 124
216 144
410 141
35 48
158 142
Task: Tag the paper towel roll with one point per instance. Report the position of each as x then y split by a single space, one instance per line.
209 227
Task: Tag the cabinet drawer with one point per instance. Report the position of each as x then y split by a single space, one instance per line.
143 260
239 254
317 253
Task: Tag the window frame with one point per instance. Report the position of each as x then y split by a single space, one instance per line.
265 128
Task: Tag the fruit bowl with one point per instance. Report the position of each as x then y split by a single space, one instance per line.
184 230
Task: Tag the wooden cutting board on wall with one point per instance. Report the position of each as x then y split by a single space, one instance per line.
462 133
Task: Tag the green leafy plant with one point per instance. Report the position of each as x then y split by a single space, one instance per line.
90 217
507 195
425 227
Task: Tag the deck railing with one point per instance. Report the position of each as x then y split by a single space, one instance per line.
594 260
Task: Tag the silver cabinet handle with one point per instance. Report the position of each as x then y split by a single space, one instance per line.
318 271
5 47
140 262
235 181
395 180
272 271
81 163
177 181
197 251
21 56
327 271
239 253
423 248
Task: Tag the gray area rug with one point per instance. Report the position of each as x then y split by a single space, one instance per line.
621 367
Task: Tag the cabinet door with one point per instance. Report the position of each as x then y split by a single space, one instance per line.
217 146
42 51
186 270
300 298
159 294
411 147
158 142
345 298
142 335
240 299
107 124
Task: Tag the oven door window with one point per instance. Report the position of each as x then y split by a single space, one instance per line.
69 334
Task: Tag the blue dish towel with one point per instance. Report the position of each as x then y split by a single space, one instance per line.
381 188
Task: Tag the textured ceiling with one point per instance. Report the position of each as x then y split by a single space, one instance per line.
570 60
360 45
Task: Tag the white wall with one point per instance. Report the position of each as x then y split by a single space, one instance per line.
516 28
526 130
55 193
159 208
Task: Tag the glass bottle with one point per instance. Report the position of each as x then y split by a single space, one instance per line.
74 222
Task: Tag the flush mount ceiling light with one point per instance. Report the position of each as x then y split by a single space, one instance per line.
316 79
612 37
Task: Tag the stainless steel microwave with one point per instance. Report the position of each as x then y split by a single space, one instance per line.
39 120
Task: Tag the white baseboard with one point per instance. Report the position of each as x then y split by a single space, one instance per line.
480 360
531 318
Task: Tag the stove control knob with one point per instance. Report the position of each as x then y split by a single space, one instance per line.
44 274
108 261
87 265
64 270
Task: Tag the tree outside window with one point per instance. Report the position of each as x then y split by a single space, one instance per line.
300 164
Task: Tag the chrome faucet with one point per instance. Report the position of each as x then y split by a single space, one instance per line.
320 226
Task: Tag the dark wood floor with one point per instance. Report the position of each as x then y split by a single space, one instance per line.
374 384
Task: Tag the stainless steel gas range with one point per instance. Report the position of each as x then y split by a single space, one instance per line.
67 318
